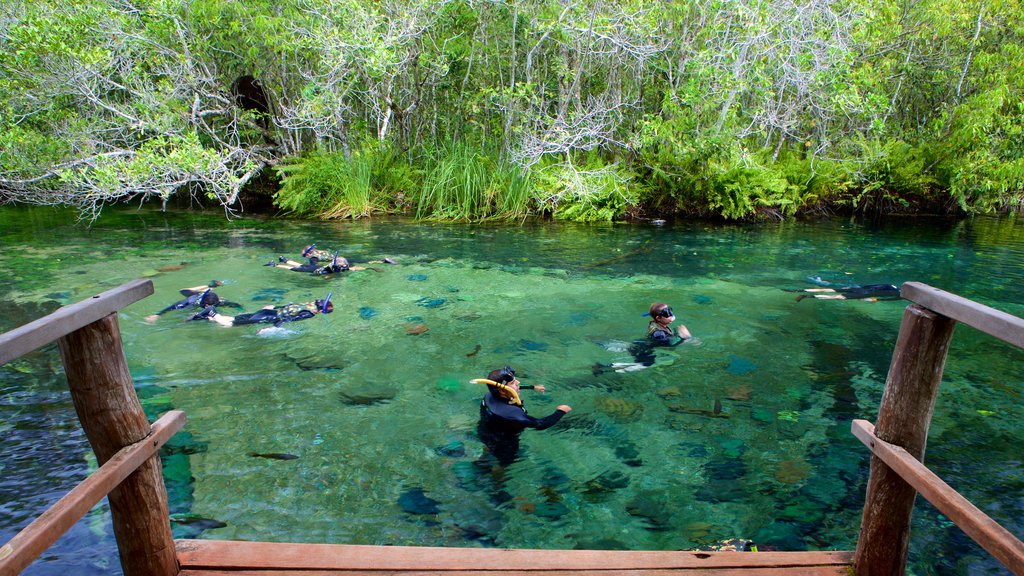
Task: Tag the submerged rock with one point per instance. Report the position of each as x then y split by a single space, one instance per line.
605 483
412 329
453 449
651 507
620 409
431 302
532 346
550 510
415 501
368 396
739 366
629 454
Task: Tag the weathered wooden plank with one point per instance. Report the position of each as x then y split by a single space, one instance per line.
904 417
198 555
112 417
1006 327
998 541
39 333
785 571
35 538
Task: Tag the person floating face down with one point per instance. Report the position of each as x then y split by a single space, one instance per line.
503 417
196 297
276 315
870 292
335 264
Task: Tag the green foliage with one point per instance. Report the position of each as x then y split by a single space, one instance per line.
590 191
327 184
464 183
891 174
583 111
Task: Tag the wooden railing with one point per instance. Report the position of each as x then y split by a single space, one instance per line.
898 440
125 445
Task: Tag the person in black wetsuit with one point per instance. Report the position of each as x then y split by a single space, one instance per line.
870 292
659 334
276 315
503 417
314 266
198 297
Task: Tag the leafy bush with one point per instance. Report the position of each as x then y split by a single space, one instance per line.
590 192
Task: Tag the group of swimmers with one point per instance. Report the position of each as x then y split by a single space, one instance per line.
502 413
204 298
503 416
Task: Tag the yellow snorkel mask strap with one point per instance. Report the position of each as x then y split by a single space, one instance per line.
515 395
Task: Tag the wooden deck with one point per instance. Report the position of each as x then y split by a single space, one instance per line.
230 558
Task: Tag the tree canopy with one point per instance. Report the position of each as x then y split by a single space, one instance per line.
501 108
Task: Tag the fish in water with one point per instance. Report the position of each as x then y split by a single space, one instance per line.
196 522
473 353
274 455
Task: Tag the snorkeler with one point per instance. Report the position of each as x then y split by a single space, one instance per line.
870 292
276 315
338 264
659 334
503 417
197 297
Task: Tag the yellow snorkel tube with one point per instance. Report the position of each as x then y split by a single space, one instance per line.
515 395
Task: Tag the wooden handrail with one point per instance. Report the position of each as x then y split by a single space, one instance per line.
998 541
39 333
1006 327
112 417
35 538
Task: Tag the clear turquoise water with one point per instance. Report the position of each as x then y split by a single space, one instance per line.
383 423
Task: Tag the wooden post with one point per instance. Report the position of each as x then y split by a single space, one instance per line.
903 419
112 417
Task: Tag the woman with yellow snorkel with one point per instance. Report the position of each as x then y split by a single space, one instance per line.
503 417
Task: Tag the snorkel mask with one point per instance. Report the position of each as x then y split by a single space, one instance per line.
308 249
507 374
326 303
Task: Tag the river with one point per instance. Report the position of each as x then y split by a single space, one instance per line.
360 426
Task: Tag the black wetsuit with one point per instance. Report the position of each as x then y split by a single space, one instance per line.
657 336
501 423
879 291
275 316
192 301
341 266
312 266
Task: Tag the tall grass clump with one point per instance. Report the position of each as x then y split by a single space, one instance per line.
329 185
462 182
